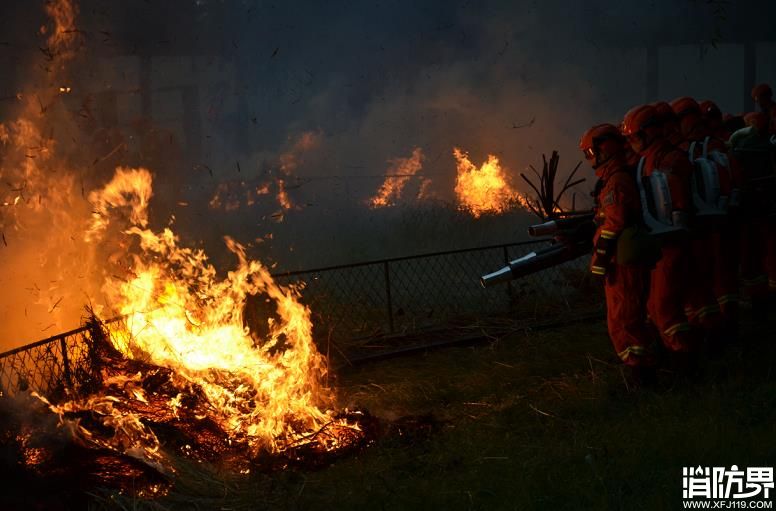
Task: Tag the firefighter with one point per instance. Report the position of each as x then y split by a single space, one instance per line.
713 297
668 120
763 97
626 284
670 171
712 116
751 147
733 123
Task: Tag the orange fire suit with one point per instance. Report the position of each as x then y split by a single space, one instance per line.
758 225
701 305
669 278
726 245
626 285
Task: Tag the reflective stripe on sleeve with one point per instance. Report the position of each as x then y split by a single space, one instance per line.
610 235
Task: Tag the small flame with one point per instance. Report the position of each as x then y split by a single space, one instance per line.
398 175
129 187
62 37
283 198
485 189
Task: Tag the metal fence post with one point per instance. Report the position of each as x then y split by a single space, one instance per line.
65 362
510 291
388 294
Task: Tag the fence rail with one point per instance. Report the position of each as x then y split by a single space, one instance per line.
355 303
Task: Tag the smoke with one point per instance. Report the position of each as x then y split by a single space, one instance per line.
298 108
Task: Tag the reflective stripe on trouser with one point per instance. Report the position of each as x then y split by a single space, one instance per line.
666 301
726 263
753 245
728 298
701 301
626 289
755 287
633 353
677 328
697 314
770 254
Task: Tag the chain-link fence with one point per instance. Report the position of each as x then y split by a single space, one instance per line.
404 295
48 366
357 303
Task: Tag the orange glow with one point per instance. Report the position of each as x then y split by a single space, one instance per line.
485 189
398 175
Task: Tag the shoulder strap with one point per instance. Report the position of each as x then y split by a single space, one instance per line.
706 146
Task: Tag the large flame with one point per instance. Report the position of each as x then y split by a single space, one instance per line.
47 270
485 189
181 315
398 175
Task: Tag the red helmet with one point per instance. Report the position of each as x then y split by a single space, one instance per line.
684 106
710 109
758 120
638 118
761 90
601 140
664 111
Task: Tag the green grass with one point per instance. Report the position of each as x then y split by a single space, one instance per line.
538 420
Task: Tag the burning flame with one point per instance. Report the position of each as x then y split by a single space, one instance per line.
398 175
48 265
485 189
62 37
283 198
233 195
181 315
129 187
289 161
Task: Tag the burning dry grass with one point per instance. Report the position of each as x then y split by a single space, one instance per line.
485 189
397 177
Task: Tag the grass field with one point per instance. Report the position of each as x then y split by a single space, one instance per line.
541 420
